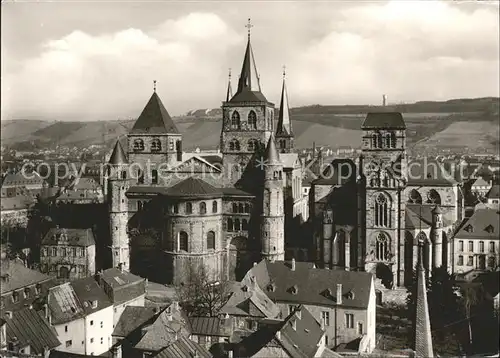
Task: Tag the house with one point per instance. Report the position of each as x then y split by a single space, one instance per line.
208 331
493 196
480 187
81 190
21 286
28 332
23 179
68 254
82 315
14 210
342 301
123 289
184 348
475 246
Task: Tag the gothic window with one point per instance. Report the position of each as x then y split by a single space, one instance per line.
154 176
244 224
203 208
210 240
388 140
415 197
247 208
124 174
214 206
234 145
140 179
240 207
139 206
282 144
235 208
183 241
433 197
230 226
237 225
235 120
189 208
252 145
382 246
381 211
393 140
155 145
252 120
138 145
176 208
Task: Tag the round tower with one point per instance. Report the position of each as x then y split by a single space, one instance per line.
118 184
437 236
273 217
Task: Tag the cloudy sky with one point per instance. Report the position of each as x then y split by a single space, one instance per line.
90 61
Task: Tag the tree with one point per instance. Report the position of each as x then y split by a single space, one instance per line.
471 296
199 294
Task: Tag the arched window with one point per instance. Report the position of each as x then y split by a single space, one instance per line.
387 140
381 211
155 145
244 224
235 120
393 140
139 206
240 207
214 206
237 226
247 208
230 224
433 197
382 246
183 241
140 176
203 208
176 208
252 145
235 208
154 176
138 145
252 120
415 197
189 208
234 145
211 240
124 174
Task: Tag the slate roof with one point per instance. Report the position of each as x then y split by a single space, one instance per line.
480 182
271 153
154 119
210 326
19 276
132 318
118 156
184 348
88 291
69 237
429 172
284 127
420 216
312 284
18 179
30 328
382 120
494 192
124 285
193 188
479 221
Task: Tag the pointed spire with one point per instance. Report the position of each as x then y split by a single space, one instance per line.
249 79
284 127
271 153
154 118
118 156
422 326
229 93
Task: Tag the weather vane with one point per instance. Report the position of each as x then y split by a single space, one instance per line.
249 26
284 71
154 85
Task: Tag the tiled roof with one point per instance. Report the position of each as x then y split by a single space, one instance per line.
494 192
484 223
184 348
88 291
19 276
132 318
18 179
429 172
70 237
389 120
118 156
125 286
117 278
30 328
248 299
154 119
193 188
210 326
314 286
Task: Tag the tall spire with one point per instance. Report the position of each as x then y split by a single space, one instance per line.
229 93
271 153
249 79
284 127
422 326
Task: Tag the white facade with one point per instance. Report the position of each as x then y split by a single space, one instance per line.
118 309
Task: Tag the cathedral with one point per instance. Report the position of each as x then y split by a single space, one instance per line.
170 209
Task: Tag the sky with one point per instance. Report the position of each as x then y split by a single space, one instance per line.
76 60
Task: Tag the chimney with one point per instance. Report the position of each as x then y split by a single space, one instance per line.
254 264
339 293
293 264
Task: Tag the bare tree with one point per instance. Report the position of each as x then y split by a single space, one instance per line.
471 296
199 294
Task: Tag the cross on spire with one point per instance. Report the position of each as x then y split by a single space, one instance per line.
249 27
154 86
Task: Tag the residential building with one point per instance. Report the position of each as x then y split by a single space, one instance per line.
82 316
82 190
342 301
476 244
481 187
123 290
68 254
493 196
184 348
21 286
208 331
31 181
14 210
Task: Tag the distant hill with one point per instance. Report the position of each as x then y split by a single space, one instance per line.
458 123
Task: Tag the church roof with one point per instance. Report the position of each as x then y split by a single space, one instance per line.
387 120
423 338
193 188
154 118
118 156
271 154
284 127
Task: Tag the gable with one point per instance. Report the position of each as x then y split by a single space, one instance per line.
196 165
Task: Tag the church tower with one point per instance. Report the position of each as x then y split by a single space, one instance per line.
118 184
384 156
284 132
273 216
247 121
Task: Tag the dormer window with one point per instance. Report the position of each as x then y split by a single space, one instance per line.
469 228
38 289
94 304
138 145
27 292
349 295
489 229
294 290
271 287
15 297
156 145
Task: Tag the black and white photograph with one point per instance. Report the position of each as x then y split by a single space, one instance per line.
250 178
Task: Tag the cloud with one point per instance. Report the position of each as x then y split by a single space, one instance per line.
411 51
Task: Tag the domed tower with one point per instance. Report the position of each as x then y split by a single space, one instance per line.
273 217
118 184
437 236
